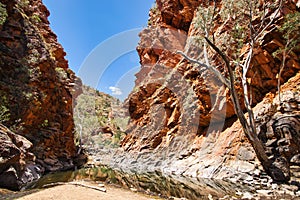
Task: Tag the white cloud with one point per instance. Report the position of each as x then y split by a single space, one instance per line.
115 90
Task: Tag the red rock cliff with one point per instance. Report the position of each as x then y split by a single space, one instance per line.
179 113
36 85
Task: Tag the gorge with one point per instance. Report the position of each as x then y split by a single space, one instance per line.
181 119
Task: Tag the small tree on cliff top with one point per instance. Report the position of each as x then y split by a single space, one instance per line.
247 20
291 31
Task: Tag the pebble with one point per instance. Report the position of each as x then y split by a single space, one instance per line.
264 192
289 192
257 172
290 187
247 195
249 178
281 192
274 186
133 189
101 185
234 180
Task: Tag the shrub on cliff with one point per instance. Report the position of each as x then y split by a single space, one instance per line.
3 13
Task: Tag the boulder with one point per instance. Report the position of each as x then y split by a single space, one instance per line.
17 163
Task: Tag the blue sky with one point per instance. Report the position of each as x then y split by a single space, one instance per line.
100 29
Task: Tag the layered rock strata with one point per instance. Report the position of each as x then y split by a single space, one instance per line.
182 119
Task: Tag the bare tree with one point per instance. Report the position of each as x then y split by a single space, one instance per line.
254 33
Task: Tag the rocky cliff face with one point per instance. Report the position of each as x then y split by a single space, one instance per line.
36 85
182 120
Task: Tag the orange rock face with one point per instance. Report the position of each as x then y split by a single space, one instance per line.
36 86
180 113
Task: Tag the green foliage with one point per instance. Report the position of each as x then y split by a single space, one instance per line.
36 18
121 121
45 123
27 95
92 113
33 57
154 9
4 114
239 34
24 3
291 34
34 72
291 25
232 14
235 9
136 89
235 18
204 17
4 111
155 12
3 13
236 15
61 73
202 23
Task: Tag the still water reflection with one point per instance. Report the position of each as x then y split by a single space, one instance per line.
152 183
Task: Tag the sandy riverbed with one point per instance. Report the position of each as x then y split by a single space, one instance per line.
65 192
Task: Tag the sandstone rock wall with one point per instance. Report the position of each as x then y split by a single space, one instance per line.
180 113
36 85
17 165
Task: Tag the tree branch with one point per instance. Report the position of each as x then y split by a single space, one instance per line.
210 68
249 129
256 36
101 189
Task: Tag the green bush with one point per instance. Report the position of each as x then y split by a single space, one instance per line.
92 113
36 18
3 13
4 114
24 3
61 73
4 111
155 12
